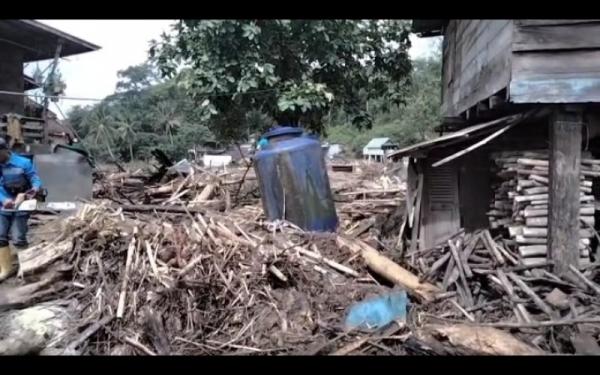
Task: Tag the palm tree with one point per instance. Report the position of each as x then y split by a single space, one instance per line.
102 127
167 118
127 133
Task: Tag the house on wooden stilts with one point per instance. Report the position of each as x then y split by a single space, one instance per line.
519 150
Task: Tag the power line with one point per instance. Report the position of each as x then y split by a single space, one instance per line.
209 95
4 92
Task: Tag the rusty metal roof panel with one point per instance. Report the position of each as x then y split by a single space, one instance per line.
461 135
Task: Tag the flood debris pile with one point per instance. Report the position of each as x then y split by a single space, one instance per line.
153 269
211 189
144 272
206 284
370 202
520 204
483 282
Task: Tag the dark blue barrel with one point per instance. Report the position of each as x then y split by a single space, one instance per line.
293 180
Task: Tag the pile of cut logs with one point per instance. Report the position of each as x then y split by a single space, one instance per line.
520 203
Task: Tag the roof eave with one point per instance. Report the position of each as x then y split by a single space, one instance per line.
90 46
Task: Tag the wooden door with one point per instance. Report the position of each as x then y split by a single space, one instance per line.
441 218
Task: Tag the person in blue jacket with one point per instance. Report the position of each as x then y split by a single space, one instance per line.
17 175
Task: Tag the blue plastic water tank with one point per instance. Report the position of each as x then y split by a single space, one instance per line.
293 180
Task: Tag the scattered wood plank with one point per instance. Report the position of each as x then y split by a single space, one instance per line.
123 293
459 265
593 286
536 299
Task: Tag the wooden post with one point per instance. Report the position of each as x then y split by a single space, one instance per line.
563 215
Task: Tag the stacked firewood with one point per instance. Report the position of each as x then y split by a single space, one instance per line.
520 202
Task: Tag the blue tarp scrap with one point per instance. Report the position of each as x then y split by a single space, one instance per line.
378 312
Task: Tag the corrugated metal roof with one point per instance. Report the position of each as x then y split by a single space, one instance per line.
472 132
377 142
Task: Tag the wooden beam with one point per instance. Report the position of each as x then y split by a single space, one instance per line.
563 215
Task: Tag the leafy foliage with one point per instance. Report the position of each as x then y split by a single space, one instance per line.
143 114
407 124
293 71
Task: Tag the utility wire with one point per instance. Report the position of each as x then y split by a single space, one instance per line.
5 92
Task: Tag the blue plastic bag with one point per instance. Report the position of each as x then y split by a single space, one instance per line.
378 312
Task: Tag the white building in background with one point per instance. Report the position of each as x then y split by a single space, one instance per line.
378 148
216 161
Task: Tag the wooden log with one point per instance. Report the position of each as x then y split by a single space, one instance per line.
543 221
516 231
205 193
532 172
506 284
533 250
461 271
522 184
535 190
450 268
489 243
536 299
539 178
534 262
336 266
390 270
543 232
506 254
593 286
522 240
539 203
37 257
536 197
478 340
533 162
537 222
18 296
564 176
534 212
531 212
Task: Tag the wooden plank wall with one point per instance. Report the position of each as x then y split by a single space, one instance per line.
556 61
477 57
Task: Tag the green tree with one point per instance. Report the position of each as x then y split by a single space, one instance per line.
141 115
102 127
407 124
136 78
291 70
126 132
167 117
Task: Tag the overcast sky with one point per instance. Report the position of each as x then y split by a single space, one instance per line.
124 43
